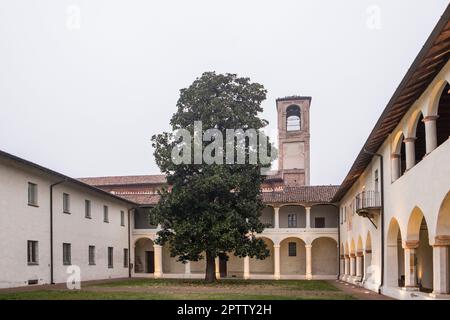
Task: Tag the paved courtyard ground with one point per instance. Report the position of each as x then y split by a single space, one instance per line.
174 289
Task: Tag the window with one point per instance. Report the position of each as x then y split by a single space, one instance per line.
66 203
122 218
32 194
105 214
292 249
110 257
67 255
293 118
125 258
87 209
32 252
376 181
319 222
342 215
91 255
292 220
345 214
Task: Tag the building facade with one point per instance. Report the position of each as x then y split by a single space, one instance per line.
386 227
395 201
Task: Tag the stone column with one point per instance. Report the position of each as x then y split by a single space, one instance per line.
430 132
410 264
308 217
367 262
352 264
440 270
410 152
217 268
347 265
342 265
359 265
247 267
308 248
187 269
158 261
276 249
276 222
395 166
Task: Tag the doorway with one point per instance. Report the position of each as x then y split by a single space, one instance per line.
223 266
149 261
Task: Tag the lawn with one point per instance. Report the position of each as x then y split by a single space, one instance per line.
175 289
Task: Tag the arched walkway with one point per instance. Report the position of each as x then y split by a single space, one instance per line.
267 217
292 216
418 253
292 257
324 256
441 254
324 216
144 256
367 257
266 266
395 256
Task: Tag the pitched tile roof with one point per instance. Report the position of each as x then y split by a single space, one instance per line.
125 180
305 194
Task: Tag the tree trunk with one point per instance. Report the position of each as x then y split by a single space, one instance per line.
210 267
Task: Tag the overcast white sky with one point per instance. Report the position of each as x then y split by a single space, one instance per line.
84 96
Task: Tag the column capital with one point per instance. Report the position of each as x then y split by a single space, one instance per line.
346 256
368 250
276 246
409 139
308 246
411 244
157 246
342 256
360 253
352 255
395 156
307 208
430 118
441 241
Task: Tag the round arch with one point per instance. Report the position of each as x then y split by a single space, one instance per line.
443 220
395 255
414 223
266 266
144 255
397 142
292 256
436 93
324 255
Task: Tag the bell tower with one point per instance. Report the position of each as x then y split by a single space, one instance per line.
293 139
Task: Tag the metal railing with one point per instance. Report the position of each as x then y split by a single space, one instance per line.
368 200
268 222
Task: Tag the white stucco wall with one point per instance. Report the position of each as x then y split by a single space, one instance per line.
20 222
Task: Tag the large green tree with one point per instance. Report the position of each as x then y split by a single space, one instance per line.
213 209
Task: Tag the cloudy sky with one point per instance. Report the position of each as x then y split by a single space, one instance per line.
84 84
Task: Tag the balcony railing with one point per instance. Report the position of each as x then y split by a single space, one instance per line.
368 201
268 222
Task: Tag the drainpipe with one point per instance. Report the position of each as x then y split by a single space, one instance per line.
380 156
51 228
129 245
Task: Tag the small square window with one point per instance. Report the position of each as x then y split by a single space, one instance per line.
87 209
122 218
105 214
66 203
32 252
292 248
32 194
319 222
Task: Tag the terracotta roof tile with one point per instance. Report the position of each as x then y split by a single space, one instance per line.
305 194
124 180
